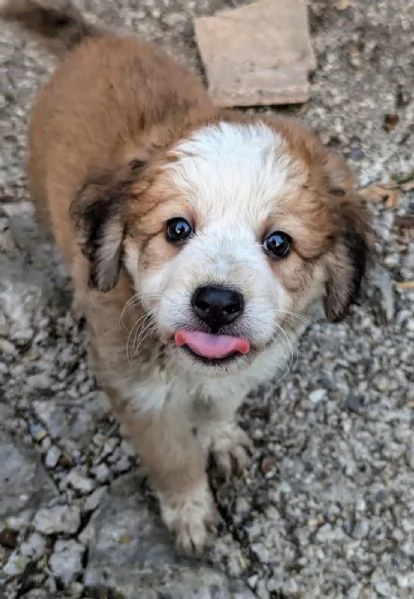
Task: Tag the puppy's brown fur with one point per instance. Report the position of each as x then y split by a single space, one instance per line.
104 131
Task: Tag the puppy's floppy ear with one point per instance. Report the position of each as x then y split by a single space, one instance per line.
348 261
98 215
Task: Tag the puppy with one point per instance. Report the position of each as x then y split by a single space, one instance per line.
195 237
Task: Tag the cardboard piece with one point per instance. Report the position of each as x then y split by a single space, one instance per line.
260 54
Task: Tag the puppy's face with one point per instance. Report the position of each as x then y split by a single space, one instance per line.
233 233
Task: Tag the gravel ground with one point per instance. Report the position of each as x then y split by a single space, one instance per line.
327 506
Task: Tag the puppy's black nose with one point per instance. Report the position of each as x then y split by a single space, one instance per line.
217 306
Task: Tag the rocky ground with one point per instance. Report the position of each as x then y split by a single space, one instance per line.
327 506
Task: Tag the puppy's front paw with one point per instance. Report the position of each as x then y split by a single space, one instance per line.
227 445
192 517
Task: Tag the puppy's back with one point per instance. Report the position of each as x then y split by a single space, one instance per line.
111 99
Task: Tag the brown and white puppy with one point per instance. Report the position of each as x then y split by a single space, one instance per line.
193 236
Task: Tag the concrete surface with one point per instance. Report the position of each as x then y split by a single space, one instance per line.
327 506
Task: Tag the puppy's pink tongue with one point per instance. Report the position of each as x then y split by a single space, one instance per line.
211 346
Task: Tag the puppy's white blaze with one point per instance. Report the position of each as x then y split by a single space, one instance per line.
234 172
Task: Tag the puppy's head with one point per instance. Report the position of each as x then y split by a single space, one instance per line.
232 231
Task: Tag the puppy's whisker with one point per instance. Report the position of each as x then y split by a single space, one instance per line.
295 316
128 342
146 331
134 331
134 302
141 324
148 294
129 305
281 334
141 342
278 337
145 325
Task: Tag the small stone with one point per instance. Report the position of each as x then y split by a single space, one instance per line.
101 472
23 337
261 590
316 396
361 529
356 154
59 518
52 457
66 560
33 547
317 521
410 455
360 504
76 590
6 347
37 431
20 521
51 586
4 327
80 481
381 383
16 564
122 464
109 447
268 465
383 588
46 444
3 368
406 581
392 261
66 460
87 533
129 450
40 381
290 588
353 403
354 592
8 538
95 499
264 555
242 506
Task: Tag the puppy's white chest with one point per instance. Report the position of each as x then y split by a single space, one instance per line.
181 388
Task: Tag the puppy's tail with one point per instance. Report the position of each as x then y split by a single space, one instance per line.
56 23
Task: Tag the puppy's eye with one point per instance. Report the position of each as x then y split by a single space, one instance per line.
277 244
178 229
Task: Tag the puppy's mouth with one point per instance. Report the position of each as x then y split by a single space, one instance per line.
212 349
